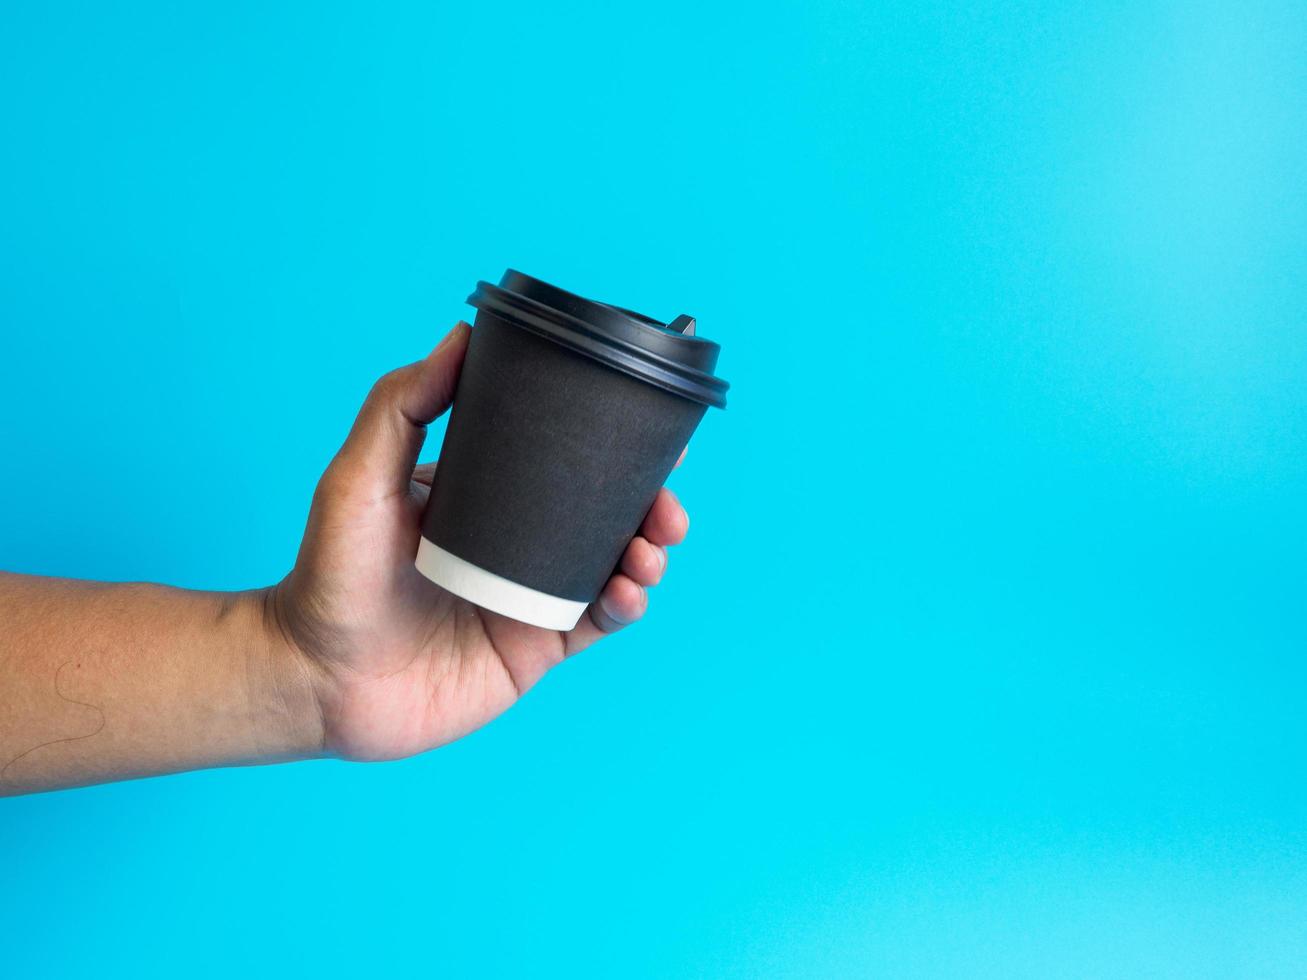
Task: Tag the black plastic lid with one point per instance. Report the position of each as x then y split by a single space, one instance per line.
667 355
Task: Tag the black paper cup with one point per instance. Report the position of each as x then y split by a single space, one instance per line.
569 415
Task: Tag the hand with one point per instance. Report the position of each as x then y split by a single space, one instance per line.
398 664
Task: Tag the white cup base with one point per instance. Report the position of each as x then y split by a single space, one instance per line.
494 592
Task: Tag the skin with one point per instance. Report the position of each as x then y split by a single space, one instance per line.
353 654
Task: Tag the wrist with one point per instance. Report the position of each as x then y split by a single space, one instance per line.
284 684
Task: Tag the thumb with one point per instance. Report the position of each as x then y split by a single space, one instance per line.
383 445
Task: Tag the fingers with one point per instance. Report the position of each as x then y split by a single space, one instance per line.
621 603
387 436
625 599
643 562
666 522
424 474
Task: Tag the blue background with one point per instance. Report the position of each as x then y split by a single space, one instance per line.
985 655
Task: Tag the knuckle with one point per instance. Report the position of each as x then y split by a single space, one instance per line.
386 387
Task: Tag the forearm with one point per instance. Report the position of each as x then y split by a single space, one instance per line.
102 682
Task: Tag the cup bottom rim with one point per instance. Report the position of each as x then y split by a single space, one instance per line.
494 592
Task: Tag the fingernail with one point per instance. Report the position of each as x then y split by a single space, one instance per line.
620 620
459 327
661 552
608 611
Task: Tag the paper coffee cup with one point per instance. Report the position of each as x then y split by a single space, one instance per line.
569 415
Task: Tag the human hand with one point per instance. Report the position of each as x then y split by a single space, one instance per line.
397 664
